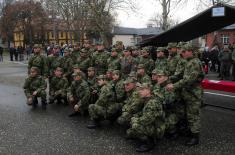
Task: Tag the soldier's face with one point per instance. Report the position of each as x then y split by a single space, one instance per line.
144 92
91 73
160 54
87 45
76 70
58 73
154 77
109 75
129 86
127 53
145 54
115 77
172 50
140 71
37 50
100 82
114 54
76 48
135 53
66 53
100 47
161 79
33 73
187 54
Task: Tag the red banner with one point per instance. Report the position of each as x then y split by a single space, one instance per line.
226 86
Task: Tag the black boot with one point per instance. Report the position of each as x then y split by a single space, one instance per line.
35 102
93 124
74 114
44 104
146 145
194 140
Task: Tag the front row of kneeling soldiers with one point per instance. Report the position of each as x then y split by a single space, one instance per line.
148 110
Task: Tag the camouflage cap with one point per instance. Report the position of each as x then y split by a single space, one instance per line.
35 68
60 69
172 45
113 50
132 74
77 74
145 49
161 49
76 66
119 43
160 72
37 46
187 47
140 66
181 44
101 77
143 85
134 48
117 72
91 69
84 50
129 80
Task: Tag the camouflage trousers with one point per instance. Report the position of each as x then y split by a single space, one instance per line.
98 112
125 118
41 94
193 99
139 130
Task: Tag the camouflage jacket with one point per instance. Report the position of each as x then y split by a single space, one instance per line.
34 84
161 63
172 63
118 90
114 63
53 63
58 86
132 104
127 64
99 61
67 65
84 63
144 79
39 61
179 72
148 64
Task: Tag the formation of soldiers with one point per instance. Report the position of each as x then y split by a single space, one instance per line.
150 99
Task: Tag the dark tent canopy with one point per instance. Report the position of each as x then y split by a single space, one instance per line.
199 25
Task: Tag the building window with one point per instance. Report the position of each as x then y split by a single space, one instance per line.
61 34
224 39
133 40
52 35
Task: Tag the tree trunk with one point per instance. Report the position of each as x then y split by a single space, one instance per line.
164 15
104 39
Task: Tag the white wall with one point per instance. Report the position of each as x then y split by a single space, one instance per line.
128 40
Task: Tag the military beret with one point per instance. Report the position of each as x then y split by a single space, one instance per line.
160 49
140 66
101 77
77 74
129 80
116 72
37 46
172 45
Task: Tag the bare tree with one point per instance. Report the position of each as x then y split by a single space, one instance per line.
201 4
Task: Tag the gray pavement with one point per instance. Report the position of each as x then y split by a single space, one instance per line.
26 131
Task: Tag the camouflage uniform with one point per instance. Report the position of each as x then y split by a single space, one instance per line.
84 61
161 62
143 78
53 63
147 62
106 106
114 62
126 65
91 81
79 90
33 84
131 105
58 89
39 61
99 61
149 122
67 65
172 60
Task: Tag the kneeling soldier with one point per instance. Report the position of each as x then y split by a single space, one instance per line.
149 122
58 87
34 87
78 95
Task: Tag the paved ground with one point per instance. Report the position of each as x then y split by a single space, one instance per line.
26 131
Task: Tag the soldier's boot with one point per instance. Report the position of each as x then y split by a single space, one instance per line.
194 140
44 104
35 102
93 124
51 100
146 145
75 113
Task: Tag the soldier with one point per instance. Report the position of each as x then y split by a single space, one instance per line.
99 59
126 62
114 60
67 64
84 60
131 104
135 54
146 60
109 75
118 86
76 52
225 58
78 95
106 107
161 62
192 93
173 58
34 87
148 124
91 80
76 69
39 61
58 87
119 48
142 76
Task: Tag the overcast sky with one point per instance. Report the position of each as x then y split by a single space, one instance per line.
147 8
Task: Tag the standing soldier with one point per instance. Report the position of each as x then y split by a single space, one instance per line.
173 58
84 60
76 52
131 104
34 87
126 63
119 48
39 61
135 54
91 80
225 58
142 76
99 59
78 95
146 60
58 87
147 124
192 92
114 60
67 64
106 107
161 62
